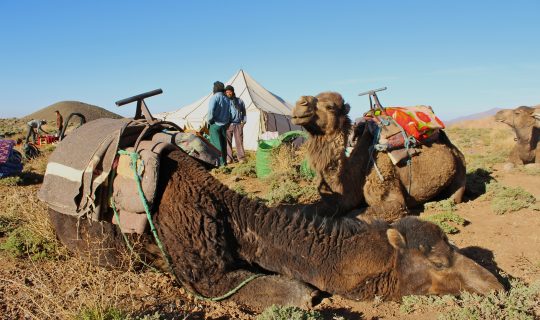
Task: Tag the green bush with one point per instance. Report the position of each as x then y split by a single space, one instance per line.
98 314
246 169
22 242
288 313
506 199
283 190
222 170
10 181
446 217
443 219
8 224
238 188
521 302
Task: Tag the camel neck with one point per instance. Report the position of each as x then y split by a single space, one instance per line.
329 253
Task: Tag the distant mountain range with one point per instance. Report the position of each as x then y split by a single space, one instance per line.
474 116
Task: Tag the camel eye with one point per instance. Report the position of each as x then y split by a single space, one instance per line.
439 265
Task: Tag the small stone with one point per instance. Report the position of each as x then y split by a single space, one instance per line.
508 167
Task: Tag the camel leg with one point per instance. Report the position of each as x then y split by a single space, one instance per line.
456 189
268 290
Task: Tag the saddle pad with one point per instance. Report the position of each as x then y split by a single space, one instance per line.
419 122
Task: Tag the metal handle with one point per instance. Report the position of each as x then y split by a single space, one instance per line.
138 97
371 92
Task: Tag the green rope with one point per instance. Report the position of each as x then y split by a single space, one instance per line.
134 156
226 295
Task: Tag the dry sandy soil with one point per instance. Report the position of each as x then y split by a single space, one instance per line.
507 244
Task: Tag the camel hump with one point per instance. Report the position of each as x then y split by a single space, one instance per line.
430 171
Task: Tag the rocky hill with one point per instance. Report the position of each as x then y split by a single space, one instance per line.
91 112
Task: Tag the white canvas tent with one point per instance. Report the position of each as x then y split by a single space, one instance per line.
265 111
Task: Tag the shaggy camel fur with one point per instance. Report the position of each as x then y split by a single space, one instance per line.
437 171
525 121
216 238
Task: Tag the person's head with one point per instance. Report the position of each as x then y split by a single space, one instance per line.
218 86
43 121
229 91
57 112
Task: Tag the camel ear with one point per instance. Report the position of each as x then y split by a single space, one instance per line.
396 239
346 108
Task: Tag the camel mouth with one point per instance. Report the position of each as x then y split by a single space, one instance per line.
301 119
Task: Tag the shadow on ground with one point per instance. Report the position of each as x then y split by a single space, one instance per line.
477 182
485 258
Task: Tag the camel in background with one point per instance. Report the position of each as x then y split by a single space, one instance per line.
525 122
352 182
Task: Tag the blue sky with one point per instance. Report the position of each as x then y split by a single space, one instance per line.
460 57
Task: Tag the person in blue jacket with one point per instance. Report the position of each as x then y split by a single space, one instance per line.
219 117
236 128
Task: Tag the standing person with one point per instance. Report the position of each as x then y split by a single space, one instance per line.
236 128
219 117
34 126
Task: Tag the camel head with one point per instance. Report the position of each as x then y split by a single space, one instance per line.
428 264
520 118
324 114
536 115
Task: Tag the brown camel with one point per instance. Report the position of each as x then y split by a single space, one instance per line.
216 238
525 121
352 182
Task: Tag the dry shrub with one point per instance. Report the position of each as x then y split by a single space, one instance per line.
482 147
287 183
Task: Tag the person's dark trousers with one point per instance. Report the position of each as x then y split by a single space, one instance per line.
219 140
30 132
235 130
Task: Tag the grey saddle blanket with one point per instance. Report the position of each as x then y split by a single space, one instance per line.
77 182
81 163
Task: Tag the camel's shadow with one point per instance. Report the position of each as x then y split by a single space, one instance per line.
477 182
485 258
341 313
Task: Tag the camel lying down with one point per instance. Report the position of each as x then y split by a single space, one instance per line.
217 238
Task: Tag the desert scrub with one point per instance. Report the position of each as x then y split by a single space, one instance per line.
445 217
482 147
521 302
246 169
22 242
446 221
8 224
530 170
506 199
221 170
238 188
288 313
10 181
98 314
283 190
